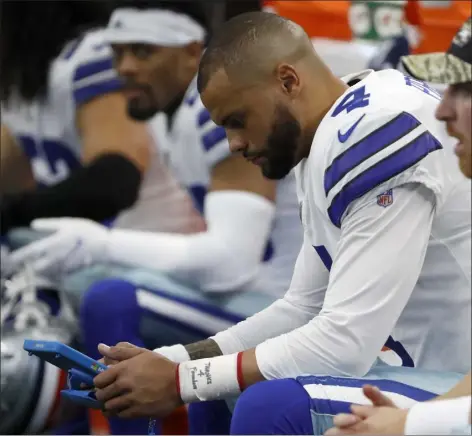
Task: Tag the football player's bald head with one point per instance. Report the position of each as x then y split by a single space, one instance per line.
262 80
251 45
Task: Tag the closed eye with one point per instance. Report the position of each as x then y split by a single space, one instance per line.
234 121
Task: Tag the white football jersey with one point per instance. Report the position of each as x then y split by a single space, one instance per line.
46 130
379 140
194 145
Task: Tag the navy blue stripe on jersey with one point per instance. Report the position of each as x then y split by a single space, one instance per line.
376 141
324 256
81 95
203 117
93 79
213 137
91 68
384 170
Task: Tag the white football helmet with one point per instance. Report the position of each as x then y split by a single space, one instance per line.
30 387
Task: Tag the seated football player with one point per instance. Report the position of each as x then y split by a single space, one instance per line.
385 261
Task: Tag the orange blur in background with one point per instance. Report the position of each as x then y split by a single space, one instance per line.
437 22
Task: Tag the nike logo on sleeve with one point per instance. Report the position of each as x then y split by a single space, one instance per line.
343 137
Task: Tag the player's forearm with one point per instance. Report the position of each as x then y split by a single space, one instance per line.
222 259
243 336
202 349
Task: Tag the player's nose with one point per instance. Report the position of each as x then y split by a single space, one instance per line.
126 65
236 144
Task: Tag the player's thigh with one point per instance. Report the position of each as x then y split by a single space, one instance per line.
182 313
405 386
170 311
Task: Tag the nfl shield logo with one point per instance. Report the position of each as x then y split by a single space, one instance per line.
385 199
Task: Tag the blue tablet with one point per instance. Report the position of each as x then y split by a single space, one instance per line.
63 356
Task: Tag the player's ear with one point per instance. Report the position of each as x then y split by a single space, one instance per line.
289 79
193 52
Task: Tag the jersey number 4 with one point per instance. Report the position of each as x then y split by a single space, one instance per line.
391 344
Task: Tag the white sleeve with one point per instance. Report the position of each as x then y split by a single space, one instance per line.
379 259
223 258
300 304
442 417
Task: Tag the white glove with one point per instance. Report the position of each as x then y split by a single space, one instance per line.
75 243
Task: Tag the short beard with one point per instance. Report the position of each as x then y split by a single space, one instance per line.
140 113
282 144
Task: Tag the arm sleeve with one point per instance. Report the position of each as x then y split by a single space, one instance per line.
379 259
221 259
440 417
98 191
300 304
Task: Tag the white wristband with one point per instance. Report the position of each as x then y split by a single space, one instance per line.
177 353
210 379
438 417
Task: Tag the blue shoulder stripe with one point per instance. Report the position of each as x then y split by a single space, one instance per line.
91 68
376 141
203 117
95 81
382 171
213 137
86 93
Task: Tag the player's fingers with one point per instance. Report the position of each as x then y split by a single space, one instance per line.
107 361
118 404
119 353
374 394
126 345
335 431
362 411
106 377
52 224
343 420
110 391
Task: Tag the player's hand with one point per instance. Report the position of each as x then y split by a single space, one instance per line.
381 418
375 395
109 361
370 420
141 384
75 243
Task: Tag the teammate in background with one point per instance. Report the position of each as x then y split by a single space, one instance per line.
240 265
387 223
453 69
68 147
